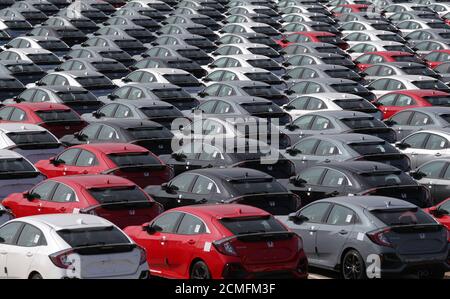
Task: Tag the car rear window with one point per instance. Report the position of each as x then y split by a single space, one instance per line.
365 148
13 83
73 96
391 37
93 236
263 51
23 68
260 91
17 24
348 87
438 100
190 53
407 58
181 79
15 165
262 63
403 216
353 104
118 194
256 186
108 66
57 115
336 60
32 138
161 111
53 44
418 70
94 81
262 77
134 159
44 58
242 226
128 44
430 84
344 74
117 55
171 93
149 132
361 123
388 179
261 108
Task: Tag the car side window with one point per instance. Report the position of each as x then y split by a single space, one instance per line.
312 176
91 131
433 169
18 115
416 140
203 186
191 225
401 118
223 108
436 142
340 215
207 107
64 194
86 159
5 113
108 110
334 179
183 182
326 148
321 123
9 231
167 222
306 147
387 100
304 122
123 112
69 156
108 133
420 119
44 191
315 212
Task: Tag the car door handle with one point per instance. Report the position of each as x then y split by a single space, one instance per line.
29 254
343 232
438 154
191 242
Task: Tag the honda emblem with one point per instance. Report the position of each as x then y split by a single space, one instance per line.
404 195
271 203
422 236
270 244
146 174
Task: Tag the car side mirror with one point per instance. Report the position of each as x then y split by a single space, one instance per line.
390 122
97 114
7 46
178 156
286 77
293 151
18 99
296 181
84 45
402 146
207 79
132 68
417 175
286 64
96 33
202 94
294 217
67 57
112 97
289 92
370 87
80 136
437 212
58 69
291 127
151 229
39 83
289 107
54 161
29 196
212 66
126 80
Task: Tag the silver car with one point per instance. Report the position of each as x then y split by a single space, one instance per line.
371 237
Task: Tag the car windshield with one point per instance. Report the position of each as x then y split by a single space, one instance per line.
10 84
94 81
162 111
58 115
75 96
261 108
264 77
256 186
348 87
117 194
32 137
249 225
362 122
263 63
53 44
260 91
430 84
134 159
23 68
403 216
17 24
438 100
372 148
44 58
15 165
387 179
93 236
108 66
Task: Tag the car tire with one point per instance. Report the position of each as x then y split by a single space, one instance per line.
36 276
353 266
200 271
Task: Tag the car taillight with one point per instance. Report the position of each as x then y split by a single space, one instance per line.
225 247
143 255
380 238
62 259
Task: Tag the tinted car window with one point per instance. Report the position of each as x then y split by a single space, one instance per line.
403 217
252 225
340 215
191 225
117 194
30 237
8 232
134 159
315 212
93 236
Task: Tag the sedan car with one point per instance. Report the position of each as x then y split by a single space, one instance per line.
342 233
226 185
331 179
129 161
371 58
24 71
345 147
385 85
114 198
220 241
101 52
45 59
108 67
52 239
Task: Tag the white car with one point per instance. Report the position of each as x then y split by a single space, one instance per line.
56 246
308 103
359 48
37 42
178 77
250 27
359 26
372 35
246 60
409 26
43 58
247 49
244 74
385 85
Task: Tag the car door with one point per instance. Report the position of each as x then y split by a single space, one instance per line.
314 216
333 234
177 190
39 195
63 200
309 191
434 179
64 162
30 241
8 237
415 145
435 147
189 241
156 244
302 153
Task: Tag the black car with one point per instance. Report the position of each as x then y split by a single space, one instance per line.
24 71
77 98
247 153
357 178
171 62
69 35
226 185
145 133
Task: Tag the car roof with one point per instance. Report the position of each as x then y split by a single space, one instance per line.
94 181
20 127
110 148
370 202
231 173
220 211
68 221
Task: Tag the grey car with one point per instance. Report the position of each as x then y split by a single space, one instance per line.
349 234
338 122
312 48
411 120
108 67
323 71
345 147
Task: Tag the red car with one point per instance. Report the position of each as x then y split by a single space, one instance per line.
396 101
441 212
370 58
220 241
114 198
311 37
57 118
122 159
437 57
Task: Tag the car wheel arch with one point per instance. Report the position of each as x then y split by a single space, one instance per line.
34 273
193 262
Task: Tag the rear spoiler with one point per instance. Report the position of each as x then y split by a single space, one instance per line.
94 249
131 167
234 199
244 179
116 204
258 236
25 145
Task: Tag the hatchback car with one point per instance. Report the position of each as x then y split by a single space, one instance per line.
220 241
441 213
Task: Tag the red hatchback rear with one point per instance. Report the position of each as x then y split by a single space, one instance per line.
116 199
57 118
220 241
122 159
